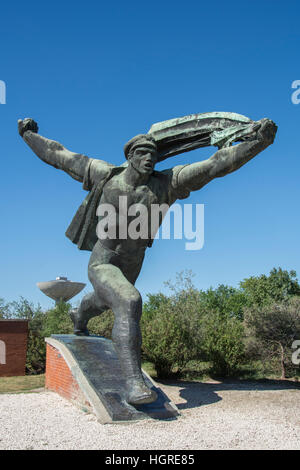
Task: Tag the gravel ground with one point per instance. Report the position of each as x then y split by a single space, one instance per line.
214 415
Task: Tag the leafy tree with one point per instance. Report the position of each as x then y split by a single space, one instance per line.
274 328
36 347
57 320
21 309
279 286
154 302
192 324
4 309
223 342
224 299
170 330
102 325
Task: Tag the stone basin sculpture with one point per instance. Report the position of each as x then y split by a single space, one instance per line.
61 288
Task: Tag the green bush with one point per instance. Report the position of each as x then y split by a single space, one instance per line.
223 344
171 336
271 330
192 325
102 325
36 347
58 321
223 299
280 285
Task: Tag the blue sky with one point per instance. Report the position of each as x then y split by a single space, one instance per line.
94 74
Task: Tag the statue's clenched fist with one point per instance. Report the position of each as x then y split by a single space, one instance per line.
27 124
267 130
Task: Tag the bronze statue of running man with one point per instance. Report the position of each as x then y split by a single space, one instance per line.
115 263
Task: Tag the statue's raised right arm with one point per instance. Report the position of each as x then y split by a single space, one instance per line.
52 152
196 175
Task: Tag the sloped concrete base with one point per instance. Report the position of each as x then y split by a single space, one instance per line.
97 371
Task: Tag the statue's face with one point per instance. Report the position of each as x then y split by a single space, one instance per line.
144 159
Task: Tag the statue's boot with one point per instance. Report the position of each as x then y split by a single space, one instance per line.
138 393
80 324
88 309
128 349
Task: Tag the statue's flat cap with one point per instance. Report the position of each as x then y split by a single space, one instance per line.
139 140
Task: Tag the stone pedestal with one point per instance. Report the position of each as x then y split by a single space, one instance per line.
86 370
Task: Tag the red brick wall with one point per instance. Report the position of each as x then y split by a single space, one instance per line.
59 378
14 334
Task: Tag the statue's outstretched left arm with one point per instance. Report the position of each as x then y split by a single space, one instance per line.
194 176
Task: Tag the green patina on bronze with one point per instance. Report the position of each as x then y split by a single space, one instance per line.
188 133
